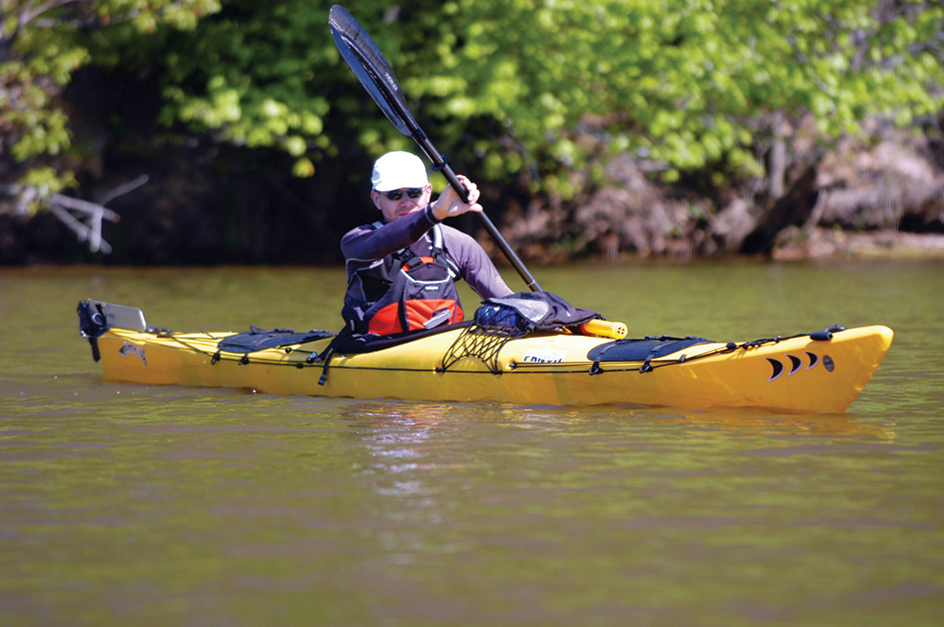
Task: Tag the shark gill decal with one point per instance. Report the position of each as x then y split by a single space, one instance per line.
813 359
796 364
778 369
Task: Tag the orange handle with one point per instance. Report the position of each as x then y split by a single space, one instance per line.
604 328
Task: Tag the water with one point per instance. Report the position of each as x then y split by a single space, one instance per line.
123 504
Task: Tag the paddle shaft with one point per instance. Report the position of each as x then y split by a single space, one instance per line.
439 164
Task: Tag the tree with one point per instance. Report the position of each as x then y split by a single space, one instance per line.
526 90
42 42
682 83
688 83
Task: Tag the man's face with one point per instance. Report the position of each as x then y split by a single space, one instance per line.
401 202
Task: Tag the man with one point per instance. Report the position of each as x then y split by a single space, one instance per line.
401 272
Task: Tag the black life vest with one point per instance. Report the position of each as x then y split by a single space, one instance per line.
417 293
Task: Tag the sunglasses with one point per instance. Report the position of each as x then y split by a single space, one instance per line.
398 194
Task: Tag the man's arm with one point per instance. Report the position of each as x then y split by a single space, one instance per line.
476 268
367 243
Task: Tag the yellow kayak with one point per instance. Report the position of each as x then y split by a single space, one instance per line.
820 372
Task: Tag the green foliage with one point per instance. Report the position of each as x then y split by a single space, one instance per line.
41 45
682 82
531 89
514 84
254 68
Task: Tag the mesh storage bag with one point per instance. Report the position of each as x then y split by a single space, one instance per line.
500 320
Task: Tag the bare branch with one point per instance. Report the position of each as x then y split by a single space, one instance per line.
27 15
124 189
91 229
84 206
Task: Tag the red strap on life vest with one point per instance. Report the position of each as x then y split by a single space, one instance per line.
426 260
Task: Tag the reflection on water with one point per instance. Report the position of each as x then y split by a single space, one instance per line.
126 504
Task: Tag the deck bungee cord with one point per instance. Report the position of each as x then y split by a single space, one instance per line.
643 355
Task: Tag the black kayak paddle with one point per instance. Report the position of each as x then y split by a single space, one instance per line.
372 70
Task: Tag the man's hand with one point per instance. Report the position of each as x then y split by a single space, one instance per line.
449 205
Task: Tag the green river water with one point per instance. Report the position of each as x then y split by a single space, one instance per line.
136 505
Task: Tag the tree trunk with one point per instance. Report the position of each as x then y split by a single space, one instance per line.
778 157
794 208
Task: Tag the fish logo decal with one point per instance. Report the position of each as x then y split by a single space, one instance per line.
132 349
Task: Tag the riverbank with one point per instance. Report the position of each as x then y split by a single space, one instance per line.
42 240
204 204
828 243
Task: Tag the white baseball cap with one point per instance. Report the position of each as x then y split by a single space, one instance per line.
398 170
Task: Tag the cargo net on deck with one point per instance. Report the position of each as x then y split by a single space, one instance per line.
492 328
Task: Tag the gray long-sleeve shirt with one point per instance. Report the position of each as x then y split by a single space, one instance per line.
368 250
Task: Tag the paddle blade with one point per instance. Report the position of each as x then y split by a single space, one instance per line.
370 67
